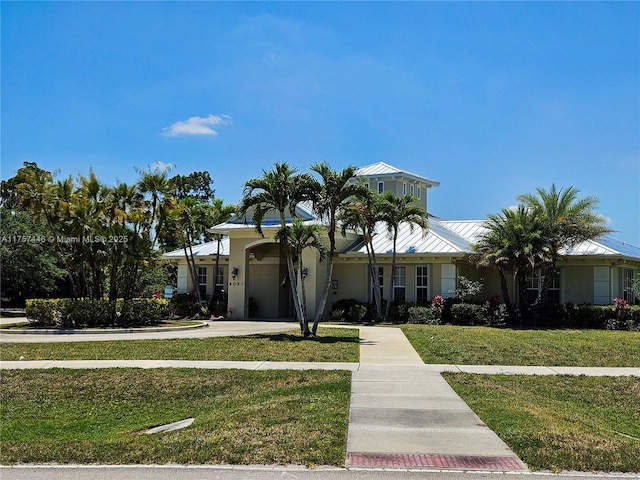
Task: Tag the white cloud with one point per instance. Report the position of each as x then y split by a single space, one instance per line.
161 167
197 126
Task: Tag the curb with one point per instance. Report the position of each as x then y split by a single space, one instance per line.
101 331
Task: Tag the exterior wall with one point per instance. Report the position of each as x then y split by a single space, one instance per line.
395 185
577 284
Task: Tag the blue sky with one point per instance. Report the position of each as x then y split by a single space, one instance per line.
491 99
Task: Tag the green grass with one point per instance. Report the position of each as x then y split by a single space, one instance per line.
494 346
333 345
560 422
241 417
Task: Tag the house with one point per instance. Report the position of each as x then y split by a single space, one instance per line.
252 269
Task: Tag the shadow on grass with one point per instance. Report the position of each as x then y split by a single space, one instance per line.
292 338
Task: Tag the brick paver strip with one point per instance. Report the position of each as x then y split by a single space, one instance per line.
473 462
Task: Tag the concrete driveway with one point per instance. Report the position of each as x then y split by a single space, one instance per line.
217 328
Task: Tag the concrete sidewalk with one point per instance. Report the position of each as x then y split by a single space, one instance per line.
404 414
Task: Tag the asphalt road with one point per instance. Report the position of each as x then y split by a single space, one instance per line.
257 473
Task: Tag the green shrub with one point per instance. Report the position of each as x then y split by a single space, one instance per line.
423 315
143 311
187 305
467 314
44 313
87 313
82 313
399 312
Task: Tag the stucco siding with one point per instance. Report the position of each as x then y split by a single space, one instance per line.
578 284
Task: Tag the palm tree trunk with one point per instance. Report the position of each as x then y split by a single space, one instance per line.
325 295
505 297
293 281
390 295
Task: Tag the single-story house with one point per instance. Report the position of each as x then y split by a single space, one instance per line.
252 269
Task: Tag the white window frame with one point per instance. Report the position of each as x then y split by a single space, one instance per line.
535 280
404 188
381 280
411 189
628 275
202 280
422 277
219 280
380 187
400 282
419 193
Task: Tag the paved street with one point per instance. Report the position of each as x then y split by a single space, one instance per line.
65 472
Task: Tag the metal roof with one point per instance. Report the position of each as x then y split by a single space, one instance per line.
202 250
382 169
444 237
438 240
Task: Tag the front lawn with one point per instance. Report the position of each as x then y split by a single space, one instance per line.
333 345
496 346
241 417
560 422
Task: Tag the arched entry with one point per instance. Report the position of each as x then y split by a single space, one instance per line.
268 289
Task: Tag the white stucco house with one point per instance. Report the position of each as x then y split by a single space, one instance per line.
253 267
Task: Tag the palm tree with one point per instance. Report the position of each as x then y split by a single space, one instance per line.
566 221
334 193
395 211
157 188
513 243
219 213
299 237
279 190
361 215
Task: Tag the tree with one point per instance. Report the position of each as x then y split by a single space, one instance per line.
279 190
159 202
30 266
193 211
334 192
298 237
512 243
394 211
566 220
361 215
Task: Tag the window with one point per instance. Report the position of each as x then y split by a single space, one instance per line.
399 284
422 285
411 189
404 188
380 187
534 286
219 283
202 280
381 281
419 193
627 281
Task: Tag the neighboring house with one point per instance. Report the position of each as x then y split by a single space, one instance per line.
253 267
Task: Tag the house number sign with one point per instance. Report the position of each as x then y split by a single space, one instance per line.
236 284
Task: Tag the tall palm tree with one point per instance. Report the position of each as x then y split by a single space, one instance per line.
566 220
157 188
299 237
513 243
361 215
279 190
334 192
219 213
395 211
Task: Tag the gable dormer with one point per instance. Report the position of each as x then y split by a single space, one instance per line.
382 177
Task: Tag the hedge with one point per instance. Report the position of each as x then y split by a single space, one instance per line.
87 313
